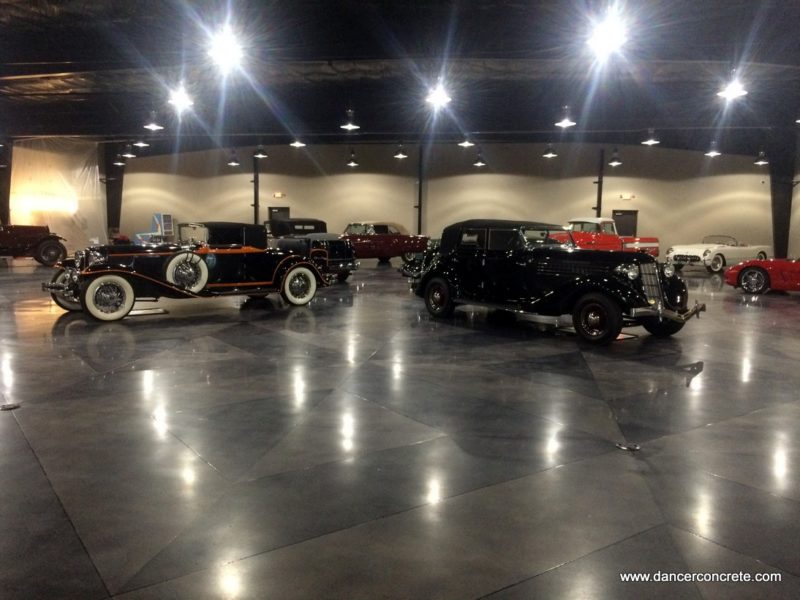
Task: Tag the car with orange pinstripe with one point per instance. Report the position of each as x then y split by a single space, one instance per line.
209 259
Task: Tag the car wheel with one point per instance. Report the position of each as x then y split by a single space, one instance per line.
761 256
49 252
407 257
438 298
663 328
717 264
65 299
342 277
187 271
754 280
108 297
597 318
299 286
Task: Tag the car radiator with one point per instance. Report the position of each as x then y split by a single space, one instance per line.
651 283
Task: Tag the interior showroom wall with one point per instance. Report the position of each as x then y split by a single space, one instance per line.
56 182
680 196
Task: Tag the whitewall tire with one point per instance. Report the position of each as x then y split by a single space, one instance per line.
187 271
108 297
299 286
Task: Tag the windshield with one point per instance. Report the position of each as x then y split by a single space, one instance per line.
191 232
719 240
536 236
359 229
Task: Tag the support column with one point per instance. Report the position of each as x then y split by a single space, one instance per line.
112 176
420 183
6 154
782 154
598 208
256 190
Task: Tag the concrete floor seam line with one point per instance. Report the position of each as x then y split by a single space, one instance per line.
568 562
63 509
734 550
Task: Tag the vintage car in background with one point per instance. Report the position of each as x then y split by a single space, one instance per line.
383 241
309 237
598 233
758 276
535 268
32 240
209 259
714 252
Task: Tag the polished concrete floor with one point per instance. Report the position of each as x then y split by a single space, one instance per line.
358 449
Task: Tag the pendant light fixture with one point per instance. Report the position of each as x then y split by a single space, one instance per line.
350 124
549 152
713 151
466 143
352 163
259 153
233 160
128 152
651 140
152 122
400 155
761 159
615 160
297 144
566 121
479 161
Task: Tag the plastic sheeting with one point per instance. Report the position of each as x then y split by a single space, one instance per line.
56 182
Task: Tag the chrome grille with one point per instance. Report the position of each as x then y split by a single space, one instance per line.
650 282
685 258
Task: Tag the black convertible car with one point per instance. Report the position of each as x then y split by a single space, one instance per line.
535 268
209 259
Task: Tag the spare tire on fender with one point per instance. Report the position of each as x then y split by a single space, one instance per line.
187 270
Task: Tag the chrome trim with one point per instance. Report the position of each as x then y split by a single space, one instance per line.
637 313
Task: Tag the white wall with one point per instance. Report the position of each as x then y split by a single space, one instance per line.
681 196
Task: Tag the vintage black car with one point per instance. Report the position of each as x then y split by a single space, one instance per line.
310 237
32 240
209 259
535 268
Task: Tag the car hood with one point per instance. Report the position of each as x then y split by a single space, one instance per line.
693 248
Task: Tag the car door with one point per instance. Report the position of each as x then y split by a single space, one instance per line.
504 278
469 264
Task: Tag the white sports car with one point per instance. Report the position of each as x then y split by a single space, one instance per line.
715 252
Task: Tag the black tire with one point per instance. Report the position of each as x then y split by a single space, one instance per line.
187 271
717 264
761 256
439 298
663 328
299 286
342 277
407 257
64 299
49 252
108 297
597 318
753 280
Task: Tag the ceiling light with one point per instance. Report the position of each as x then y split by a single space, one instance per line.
761 160
615 161
141 144
225 50
479 161
712 151
438 97
128 153
297 144
609 35
400 154
233 160
353 162
733 90
119 161
566 121
466 143
550 152
259 153
152 123
350 126
651 140
180 100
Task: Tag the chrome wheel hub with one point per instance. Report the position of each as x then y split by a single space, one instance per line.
187 274
109 298
299 286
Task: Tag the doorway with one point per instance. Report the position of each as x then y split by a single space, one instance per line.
626 221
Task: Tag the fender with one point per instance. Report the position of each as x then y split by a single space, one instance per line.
293 261
580 286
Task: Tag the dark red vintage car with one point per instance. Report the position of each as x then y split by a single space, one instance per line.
757 276
32 240
383 241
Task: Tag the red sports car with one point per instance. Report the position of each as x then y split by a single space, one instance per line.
758 276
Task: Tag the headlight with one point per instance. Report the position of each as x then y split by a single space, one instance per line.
669 270
670 251
630 271
706 253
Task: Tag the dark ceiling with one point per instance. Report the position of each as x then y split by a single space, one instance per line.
95 68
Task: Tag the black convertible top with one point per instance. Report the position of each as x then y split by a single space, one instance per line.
450 234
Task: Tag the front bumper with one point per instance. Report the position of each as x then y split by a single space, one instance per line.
665 313
342 266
